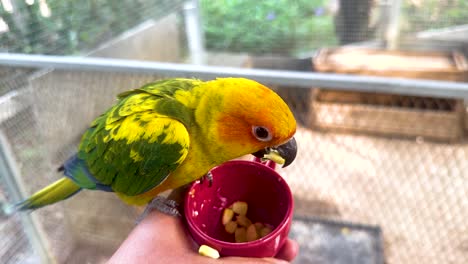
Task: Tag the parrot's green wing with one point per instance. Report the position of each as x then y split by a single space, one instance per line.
135 145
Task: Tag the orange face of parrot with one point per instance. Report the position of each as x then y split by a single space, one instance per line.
254 119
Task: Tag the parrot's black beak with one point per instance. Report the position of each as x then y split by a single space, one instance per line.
284 154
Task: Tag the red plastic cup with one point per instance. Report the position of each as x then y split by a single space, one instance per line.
267 194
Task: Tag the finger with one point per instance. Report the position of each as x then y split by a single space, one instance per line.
289 250
167 227
240 260
153 238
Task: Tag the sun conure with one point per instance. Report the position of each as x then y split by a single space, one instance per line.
169 133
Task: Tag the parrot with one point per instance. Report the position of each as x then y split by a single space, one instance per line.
172 132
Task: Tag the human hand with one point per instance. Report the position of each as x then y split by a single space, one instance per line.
161 238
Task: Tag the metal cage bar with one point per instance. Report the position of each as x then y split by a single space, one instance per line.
10 175
289 78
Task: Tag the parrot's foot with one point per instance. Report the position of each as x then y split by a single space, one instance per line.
162 204
208 177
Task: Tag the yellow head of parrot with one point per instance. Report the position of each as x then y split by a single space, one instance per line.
250 117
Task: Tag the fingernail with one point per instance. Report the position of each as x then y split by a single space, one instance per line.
276 261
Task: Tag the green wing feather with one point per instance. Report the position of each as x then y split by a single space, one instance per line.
135 145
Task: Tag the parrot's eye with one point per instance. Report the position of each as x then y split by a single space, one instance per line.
261 133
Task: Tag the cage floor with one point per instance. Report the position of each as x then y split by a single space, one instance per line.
414 190
326 241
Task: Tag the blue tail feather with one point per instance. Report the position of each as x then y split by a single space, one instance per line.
77 170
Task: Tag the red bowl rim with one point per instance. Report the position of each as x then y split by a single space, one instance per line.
283 224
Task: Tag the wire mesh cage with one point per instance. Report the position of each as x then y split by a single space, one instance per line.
67 27
382 164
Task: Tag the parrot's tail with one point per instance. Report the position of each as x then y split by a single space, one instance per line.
57 191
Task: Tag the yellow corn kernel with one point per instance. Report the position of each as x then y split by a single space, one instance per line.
207 251
243 221
240 208
258 226
230 227
240 235
265 231
251 233
275 157
227 215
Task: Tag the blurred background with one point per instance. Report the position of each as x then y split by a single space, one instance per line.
378 88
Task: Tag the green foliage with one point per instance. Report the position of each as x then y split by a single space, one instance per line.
434 14
268 26
74 26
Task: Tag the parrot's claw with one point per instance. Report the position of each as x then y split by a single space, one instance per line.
162 204
208 177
